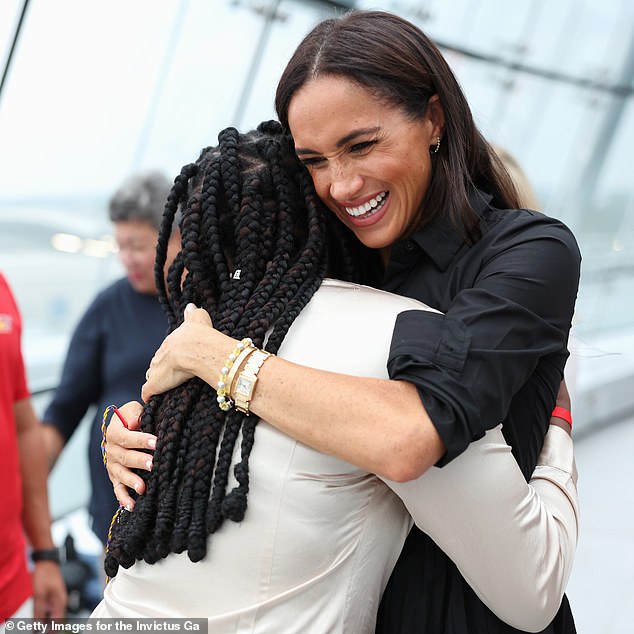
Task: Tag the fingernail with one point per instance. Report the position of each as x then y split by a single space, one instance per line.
190 307
128 508
151 443
148 465
137 488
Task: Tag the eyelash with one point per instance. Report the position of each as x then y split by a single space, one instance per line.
311 162
364 145
357 148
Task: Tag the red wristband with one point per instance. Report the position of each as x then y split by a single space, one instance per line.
564 414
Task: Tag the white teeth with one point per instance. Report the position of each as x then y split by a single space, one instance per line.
374 203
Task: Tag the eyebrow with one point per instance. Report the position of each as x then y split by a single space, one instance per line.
342 141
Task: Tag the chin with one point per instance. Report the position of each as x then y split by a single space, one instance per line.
373 240
143 288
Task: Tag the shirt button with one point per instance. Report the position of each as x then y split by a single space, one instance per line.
409 245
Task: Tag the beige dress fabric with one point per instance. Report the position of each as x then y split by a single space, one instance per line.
320 536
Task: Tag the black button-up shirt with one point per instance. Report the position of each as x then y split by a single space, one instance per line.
496 354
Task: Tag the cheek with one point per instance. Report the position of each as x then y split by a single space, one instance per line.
148 261
321 183
142 262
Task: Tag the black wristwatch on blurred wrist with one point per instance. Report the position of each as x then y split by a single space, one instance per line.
45 554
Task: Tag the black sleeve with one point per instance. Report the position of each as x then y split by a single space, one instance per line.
469 363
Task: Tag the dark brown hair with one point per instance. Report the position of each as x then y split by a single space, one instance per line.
401 66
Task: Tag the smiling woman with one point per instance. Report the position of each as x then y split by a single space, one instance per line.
378 168
378 117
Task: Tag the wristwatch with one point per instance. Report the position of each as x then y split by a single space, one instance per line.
45 554
245 384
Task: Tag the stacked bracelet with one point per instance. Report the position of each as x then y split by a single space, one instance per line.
242 350
563 413
247 379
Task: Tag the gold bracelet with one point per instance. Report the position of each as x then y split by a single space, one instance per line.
245 385
222 387
237 364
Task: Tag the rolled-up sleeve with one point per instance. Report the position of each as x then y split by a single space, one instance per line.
511 316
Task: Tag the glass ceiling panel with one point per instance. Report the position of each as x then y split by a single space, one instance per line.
97 97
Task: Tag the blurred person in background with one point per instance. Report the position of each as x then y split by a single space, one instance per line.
115 339
525 192
24 593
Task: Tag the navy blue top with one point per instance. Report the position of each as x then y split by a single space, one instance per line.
497 354
108 356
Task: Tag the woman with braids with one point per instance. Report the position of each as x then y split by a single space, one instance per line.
317 537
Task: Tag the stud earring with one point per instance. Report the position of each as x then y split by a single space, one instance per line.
436 147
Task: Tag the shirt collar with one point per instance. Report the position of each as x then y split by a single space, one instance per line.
440 239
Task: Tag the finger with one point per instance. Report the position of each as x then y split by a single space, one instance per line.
134 424
125 481
119 438
123 496
146 392
121 459
131 413
56 601
196 315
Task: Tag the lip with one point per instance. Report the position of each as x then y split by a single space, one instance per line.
360 221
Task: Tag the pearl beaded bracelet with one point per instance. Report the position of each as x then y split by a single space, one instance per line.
228 371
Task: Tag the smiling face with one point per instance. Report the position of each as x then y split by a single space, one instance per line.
369 161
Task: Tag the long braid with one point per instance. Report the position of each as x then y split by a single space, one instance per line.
176 196
255 247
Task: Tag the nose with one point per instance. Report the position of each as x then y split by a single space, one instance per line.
346 182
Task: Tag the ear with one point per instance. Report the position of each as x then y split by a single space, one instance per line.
436 116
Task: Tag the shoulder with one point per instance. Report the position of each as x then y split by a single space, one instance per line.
525 223
108 299
115 289
346 328
114 292
7 293
348 297
532 231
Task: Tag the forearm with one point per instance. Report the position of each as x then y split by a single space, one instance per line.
34 473
377 424
513 542
53 443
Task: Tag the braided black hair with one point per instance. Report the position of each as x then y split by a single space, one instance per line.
247 205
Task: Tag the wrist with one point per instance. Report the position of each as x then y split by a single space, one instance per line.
206 354
216 352
45 554
562 413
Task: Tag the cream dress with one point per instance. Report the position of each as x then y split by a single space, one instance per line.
320 536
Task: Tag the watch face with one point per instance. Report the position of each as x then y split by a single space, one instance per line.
244 385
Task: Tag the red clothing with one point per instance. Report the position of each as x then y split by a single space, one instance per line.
15 580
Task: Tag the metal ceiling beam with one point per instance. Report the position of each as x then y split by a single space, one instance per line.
16 36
